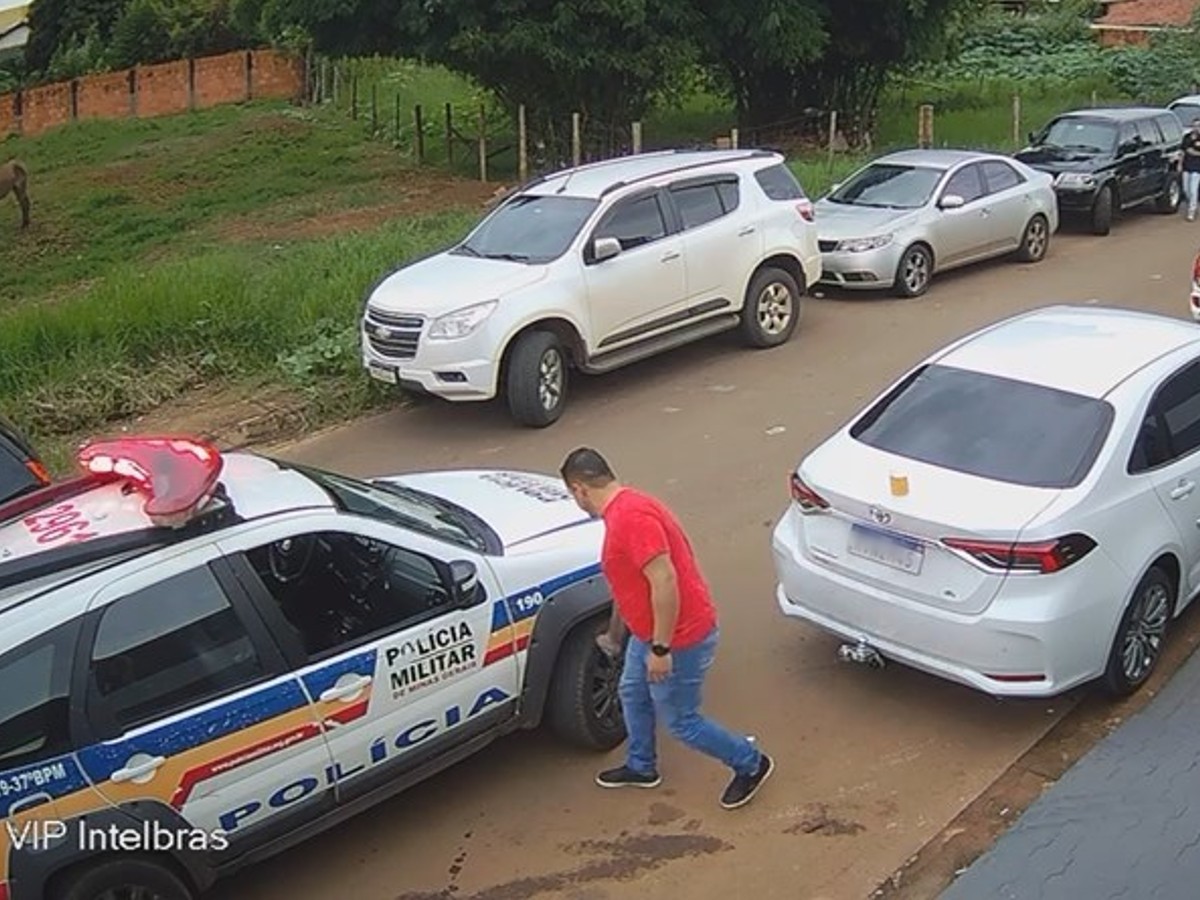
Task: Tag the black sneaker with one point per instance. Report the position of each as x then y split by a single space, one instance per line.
742 788
626 777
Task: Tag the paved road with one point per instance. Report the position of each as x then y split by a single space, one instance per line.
871 765
1122 824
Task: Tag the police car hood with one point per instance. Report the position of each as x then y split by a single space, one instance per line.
518 506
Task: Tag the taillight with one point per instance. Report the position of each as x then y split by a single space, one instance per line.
38 471
807 211
806 498
1042 557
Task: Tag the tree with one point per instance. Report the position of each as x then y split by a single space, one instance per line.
57 25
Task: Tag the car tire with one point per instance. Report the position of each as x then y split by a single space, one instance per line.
771 309
1035 240
583 707
914 272
122 877
1168 201
1102 211
536 379
1139 641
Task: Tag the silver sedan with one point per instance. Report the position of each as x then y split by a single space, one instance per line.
905 216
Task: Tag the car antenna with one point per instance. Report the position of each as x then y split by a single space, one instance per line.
567 180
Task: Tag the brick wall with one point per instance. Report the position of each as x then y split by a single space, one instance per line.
220 79
104 96
163 89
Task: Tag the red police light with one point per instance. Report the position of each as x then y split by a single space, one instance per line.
177 475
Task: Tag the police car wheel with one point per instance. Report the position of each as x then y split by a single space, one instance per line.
123 879
583 707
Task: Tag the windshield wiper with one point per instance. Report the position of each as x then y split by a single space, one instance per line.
467 249
511 257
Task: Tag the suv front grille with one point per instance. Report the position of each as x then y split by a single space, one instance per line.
393 335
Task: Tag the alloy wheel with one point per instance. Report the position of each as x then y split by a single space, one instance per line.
1144 635
551 375
775 308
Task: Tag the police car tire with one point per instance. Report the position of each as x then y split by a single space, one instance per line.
156 880
569 709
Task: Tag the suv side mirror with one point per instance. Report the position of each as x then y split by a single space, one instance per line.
1032 137
605 248
952 201
464 582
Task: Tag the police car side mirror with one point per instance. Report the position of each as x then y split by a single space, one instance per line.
464 582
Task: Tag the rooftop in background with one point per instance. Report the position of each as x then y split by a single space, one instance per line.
1148 13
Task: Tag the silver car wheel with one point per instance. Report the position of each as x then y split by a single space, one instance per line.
916 271
1036 239
775 308
550 379
1144 636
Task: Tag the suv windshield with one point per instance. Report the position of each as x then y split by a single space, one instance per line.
993 427
889 185
1077 133
529 228
402 506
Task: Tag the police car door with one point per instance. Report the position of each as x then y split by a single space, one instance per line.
397 638
198 723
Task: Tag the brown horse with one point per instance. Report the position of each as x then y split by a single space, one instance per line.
15 178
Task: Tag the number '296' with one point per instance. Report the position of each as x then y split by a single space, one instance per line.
59 523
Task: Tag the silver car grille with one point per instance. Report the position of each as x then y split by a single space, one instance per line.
394 335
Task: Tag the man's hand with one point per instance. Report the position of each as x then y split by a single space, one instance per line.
658 668
605 642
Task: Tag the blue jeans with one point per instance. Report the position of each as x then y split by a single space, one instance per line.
677 701
1191 189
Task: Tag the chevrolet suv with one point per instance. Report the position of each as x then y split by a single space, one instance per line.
206 658
1109 160
596 267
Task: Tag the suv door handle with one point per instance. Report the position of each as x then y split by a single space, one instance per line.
342 691
670 255
131 773
1182 489
749 229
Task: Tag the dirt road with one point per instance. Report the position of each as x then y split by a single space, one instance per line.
871 764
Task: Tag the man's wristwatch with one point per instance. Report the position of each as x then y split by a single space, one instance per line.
660 649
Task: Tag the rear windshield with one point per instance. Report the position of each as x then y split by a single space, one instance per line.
988 426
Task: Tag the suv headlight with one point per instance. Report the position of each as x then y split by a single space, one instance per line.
462 322
1075 180
862 245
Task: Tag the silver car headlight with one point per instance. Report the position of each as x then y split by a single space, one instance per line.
462 322
862 245
1075 180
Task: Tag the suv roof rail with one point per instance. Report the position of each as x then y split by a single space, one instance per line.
748 154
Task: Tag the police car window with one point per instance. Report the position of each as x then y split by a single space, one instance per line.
168 647
35 699
336 589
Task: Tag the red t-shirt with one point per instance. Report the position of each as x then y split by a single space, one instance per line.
637 529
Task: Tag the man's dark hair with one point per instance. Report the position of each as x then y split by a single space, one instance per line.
588 466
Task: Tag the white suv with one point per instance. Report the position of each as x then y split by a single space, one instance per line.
594 268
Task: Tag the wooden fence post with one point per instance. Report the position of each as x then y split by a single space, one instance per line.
833 126
449 134
483 173
1016 106
396 119
522 146
925 126
733 138
419 127
374 107
354 96
576 140
637 137
337 83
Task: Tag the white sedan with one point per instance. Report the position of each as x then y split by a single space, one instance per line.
1018 513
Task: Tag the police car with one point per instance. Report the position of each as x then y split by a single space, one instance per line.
209 657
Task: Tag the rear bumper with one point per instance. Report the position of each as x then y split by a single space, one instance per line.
1054 626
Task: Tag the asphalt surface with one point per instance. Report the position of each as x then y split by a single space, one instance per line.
870 765
1122 824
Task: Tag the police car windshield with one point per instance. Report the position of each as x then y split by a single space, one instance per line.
401 506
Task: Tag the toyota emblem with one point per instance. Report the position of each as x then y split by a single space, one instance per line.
880 516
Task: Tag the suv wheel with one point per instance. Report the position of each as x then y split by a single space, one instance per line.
126 877
1035 241
583 707
536 386
1102 211
771 309
1169 200
1139 642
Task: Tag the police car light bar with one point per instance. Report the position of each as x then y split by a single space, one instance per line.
177 475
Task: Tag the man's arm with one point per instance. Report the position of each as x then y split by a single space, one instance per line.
664 596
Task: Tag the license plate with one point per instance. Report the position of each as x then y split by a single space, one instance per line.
886 548
382 373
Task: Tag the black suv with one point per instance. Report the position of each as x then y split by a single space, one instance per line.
1106 160
21 471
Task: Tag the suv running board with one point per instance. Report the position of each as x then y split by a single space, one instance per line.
615 359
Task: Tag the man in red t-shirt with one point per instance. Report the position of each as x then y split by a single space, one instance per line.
663 601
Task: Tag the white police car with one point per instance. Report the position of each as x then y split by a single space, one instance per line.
206 658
